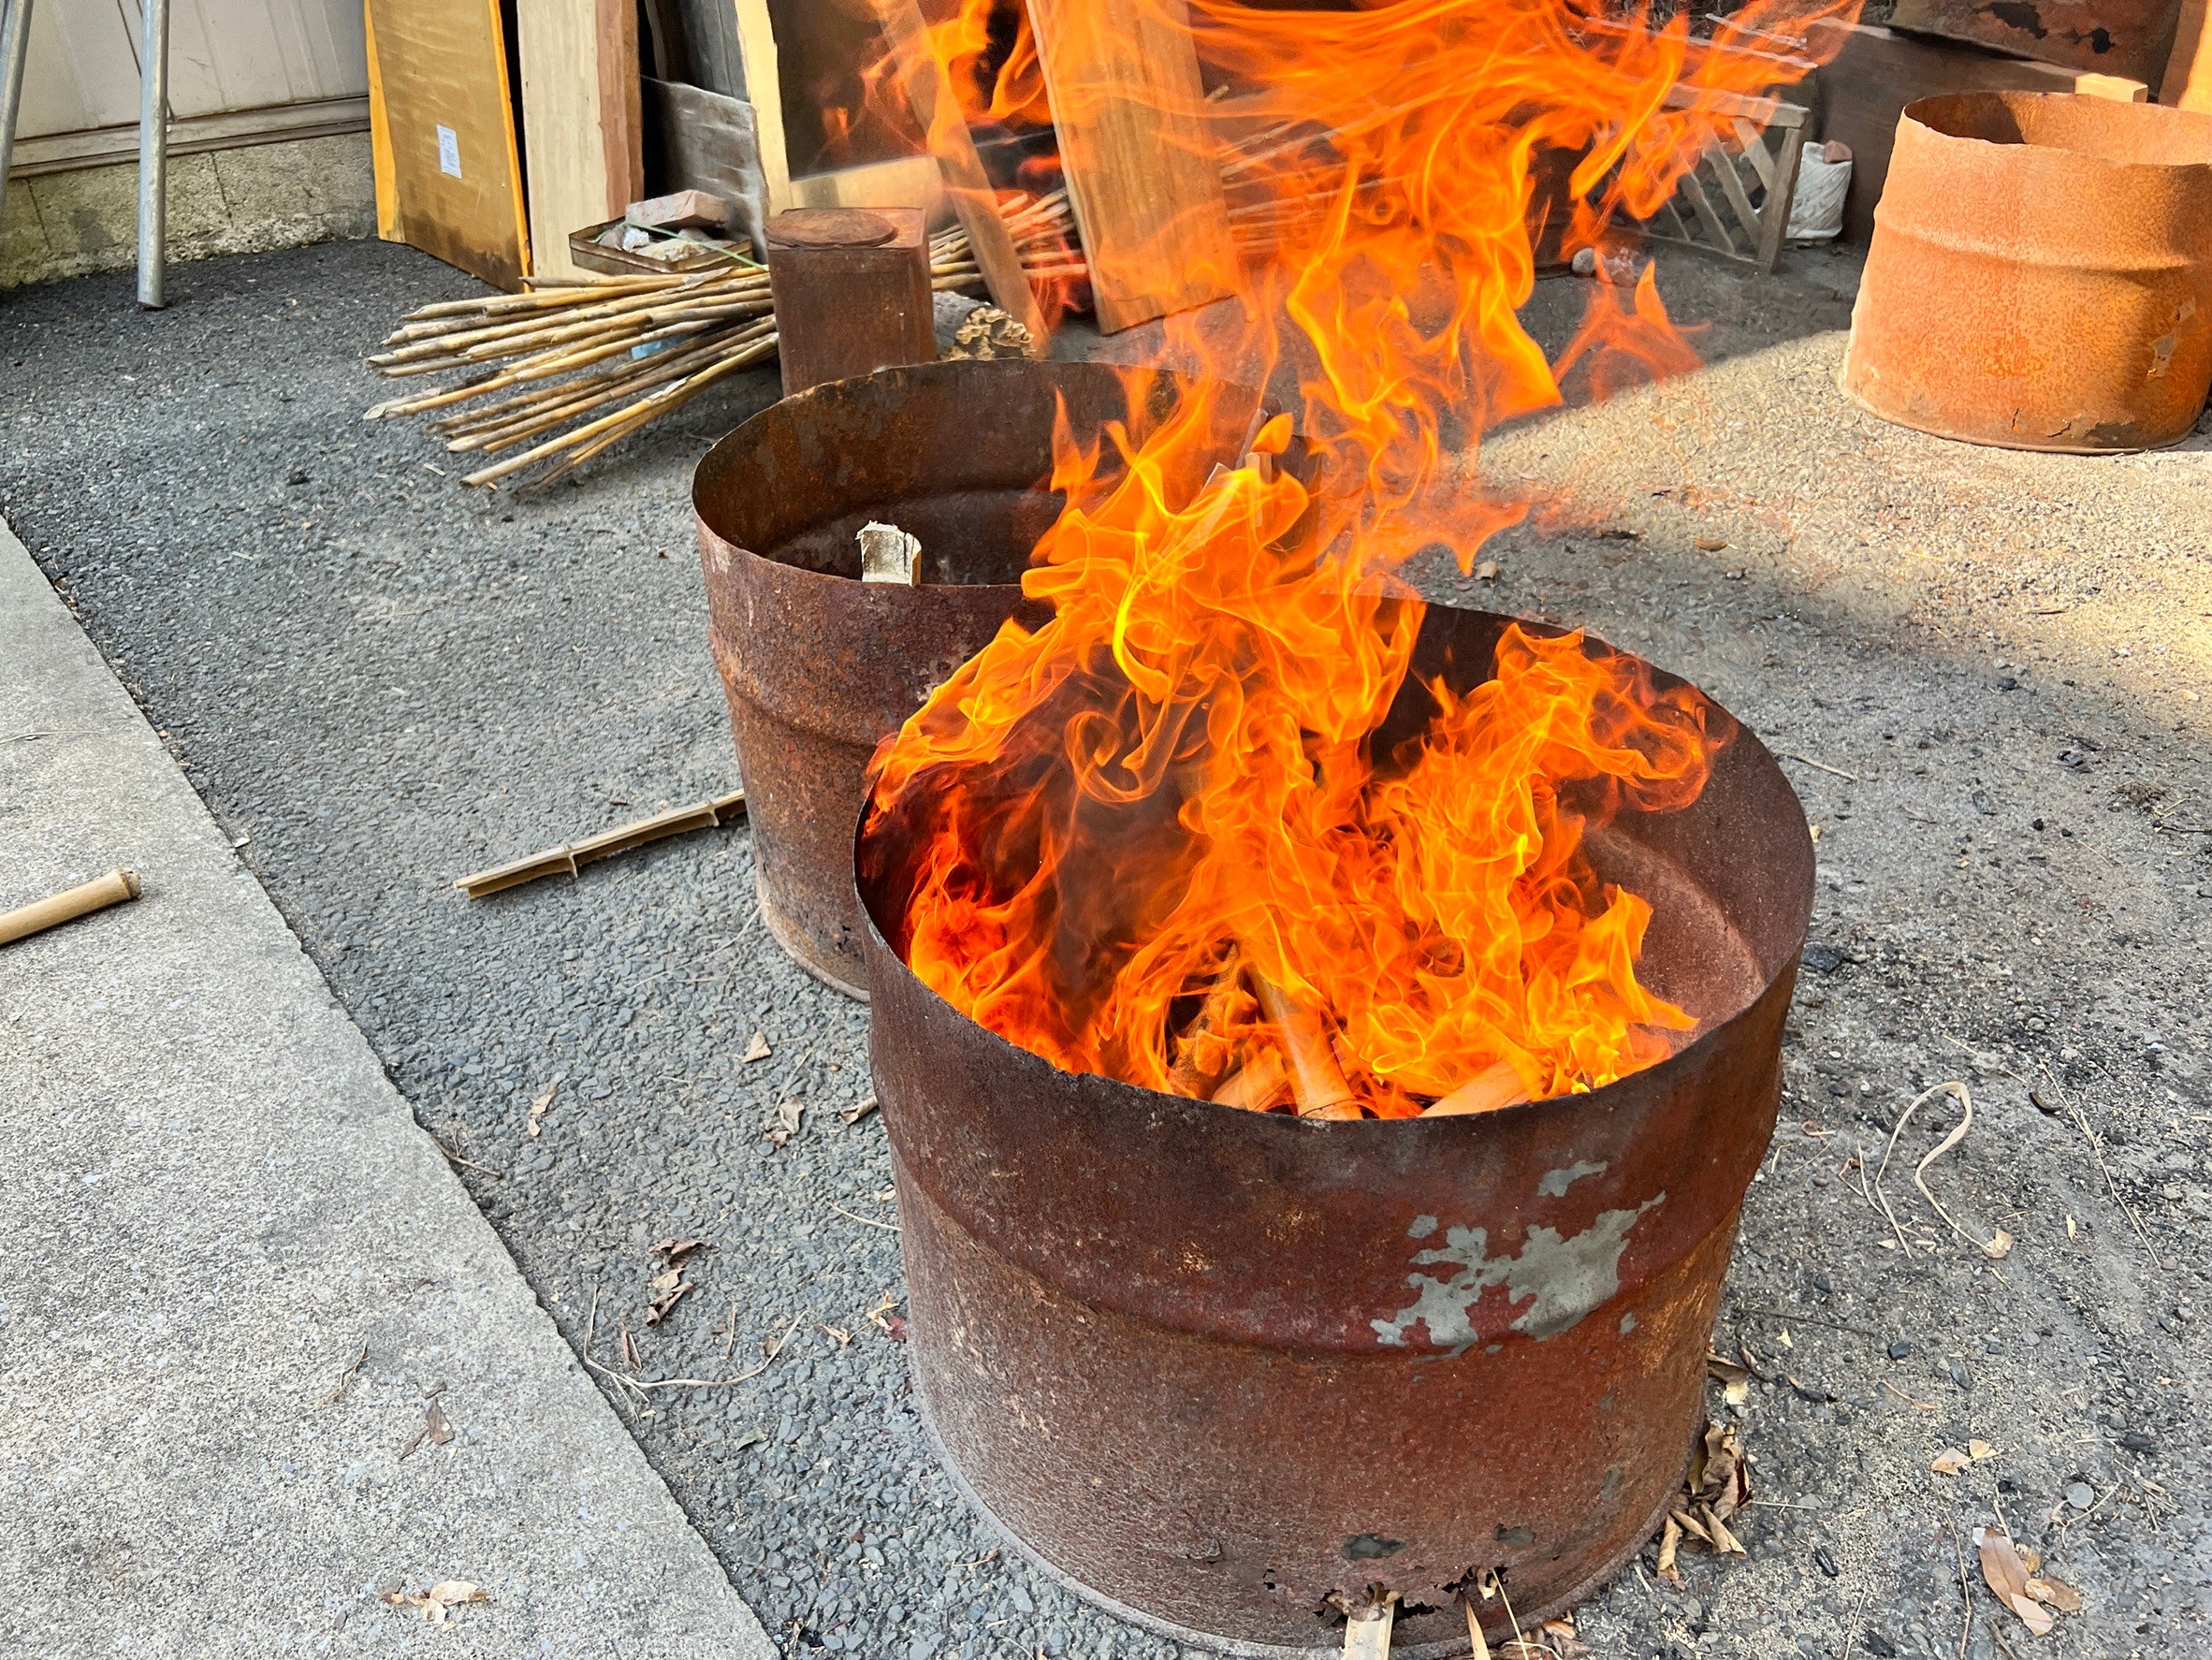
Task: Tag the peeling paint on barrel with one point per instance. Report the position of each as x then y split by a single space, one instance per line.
1565 1278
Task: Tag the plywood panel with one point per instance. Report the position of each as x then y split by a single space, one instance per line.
1124 92
439 92
579 120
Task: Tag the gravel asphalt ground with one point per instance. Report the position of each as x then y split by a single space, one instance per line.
1986 667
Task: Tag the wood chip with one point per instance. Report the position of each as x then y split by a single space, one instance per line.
757 1049
538 1109
1949 1462
857 1110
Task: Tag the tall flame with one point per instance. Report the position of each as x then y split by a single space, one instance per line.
1163 836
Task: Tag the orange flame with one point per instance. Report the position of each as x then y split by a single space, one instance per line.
1169 837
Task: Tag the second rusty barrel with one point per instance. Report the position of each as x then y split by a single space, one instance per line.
819 667
2040 274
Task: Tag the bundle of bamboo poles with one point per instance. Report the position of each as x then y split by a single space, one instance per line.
616 354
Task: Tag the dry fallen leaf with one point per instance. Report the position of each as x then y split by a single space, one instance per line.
2058 1593
2007 1576
1710 544
669 1290
787 1123
1669 1542
1486 570
1949 1462
1999 1246
843 1335
435 1430
757 1049
1978 1450
674 1248
439 1601
1735 1380
859 1109
538 1109
1566 1642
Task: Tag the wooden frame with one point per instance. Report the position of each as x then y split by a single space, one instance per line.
1749 222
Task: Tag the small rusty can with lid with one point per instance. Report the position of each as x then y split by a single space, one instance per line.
852 292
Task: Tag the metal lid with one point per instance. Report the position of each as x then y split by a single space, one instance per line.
830 227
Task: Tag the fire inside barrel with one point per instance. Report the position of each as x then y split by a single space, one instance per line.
1173 837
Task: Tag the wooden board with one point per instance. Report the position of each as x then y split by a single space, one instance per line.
701 140
1871 74
580 119
929 92
438 102
764 90
1139 162
2188 83
2127 38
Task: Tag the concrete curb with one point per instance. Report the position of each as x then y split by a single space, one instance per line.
210 1199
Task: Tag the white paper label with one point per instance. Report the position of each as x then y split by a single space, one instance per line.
448 152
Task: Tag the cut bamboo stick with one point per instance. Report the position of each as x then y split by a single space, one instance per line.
114 888
701 815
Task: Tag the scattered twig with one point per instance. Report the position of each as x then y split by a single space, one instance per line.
1924 1405
1810 1319
1818 765
1966 1595
1957 1091
887 1227
464 1163
1858 1617
346 1379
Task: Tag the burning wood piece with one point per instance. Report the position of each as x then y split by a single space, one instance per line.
114 888
1197 1069
1496 1085
1261 1084
889 554
570 856
1317 1080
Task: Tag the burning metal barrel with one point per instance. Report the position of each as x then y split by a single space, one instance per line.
2040 274
1224 1372
819 667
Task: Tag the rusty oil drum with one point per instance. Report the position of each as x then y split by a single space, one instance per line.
2040 274
818 666
1208 1366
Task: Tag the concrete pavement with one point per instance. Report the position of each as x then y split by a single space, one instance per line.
212 1205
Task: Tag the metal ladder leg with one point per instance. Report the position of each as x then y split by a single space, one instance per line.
15 46
154 148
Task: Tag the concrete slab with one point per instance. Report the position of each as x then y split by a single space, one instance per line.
215 1202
